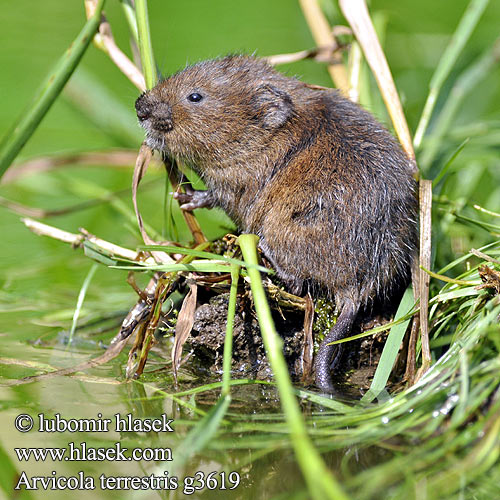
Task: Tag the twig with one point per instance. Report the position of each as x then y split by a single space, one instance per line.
483 256
41 229
357 14
322 34
76 240
320 54
425 194
115 158
105 41
41 213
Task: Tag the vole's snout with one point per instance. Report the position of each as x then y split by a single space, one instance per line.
143 108
162 117
159 114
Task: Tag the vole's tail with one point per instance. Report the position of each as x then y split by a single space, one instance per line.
328 356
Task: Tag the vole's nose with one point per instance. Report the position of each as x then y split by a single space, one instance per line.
159 113
162 117
143 107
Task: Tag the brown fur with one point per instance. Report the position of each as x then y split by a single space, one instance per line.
325 186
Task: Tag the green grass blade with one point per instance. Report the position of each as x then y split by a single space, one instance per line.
493 229
203 255
465 27
31 117
195 266
463 86
81 298
449 163
9 477
201 434
145 45
320 481
391 348
128 9
228 342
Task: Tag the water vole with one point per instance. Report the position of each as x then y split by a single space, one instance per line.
325 186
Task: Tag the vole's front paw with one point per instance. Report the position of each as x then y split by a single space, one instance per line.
194 199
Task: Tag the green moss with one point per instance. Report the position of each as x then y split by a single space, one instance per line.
325 316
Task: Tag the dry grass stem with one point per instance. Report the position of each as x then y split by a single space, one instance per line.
41 229
356 13
323 36
105 41
324 54
76 240
191 221
307 353
354 71
143 159
483 256
116 158
425 196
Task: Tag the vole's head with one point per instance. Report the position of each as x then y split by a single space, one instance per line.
216 108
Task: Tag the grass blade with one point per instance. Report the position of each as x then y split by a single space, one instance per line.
228 343
205 266
145 46
9 478
128 9
201 434
463 86
320 481
81 298
31 117
449 163
204 255
391 348
459 39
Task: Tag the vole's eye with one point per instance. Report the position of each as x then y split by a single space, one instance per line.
195 97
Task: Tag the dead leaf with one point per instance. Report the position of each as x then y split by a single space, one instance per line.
111 352
184 326
490 279
141 165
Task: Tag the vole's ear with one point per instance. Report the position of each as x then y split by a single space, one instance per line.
272 105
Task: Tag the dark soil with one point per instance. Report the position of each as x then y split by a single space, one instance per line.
249 359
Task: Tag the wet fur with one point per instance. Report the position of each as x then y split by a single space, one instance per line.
324 185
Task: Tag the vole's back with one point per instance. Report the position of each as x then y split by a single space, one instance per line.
339 211
324 185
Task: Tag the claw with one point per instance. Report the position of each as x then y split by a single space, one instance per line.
194 199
